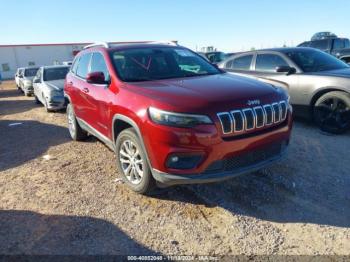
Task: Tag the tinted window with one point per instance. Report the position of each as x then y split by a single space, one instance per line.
98 65
321 44
241 63
347 43
269 62
83 64
338 44
58 73
315 61
144 64
30 72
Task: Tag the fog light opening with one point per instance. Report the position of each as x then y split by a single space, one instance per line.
183 161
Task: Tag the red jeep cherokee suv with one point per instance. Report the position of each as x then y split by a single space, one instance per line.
172 117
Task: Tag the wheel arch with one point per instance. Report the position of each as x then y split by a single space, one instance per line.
67 99
322 91
121 122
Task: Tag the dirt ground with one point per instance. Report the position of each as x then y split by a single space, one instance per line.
64 197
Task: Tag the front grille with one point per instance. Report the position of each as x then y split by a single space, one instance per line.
248 159
248 119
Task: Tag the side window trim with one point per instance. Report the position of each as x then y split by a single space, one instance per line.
231 61
267 53
104 61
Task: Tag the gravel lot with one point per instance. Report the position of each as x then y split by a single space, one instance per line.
63 197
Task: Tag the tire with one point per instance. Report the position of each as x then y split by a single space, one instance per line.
26 93
332 112
75 131
140 182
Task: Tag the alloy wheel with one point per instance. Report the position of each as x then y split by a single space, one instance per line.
333 113
131 162
71 122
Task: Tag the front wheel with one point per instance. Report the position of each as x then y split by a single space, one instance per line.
132 162
332 112
75 131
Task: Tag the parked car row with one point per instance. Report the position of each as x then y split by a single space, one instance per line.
44 83
172 117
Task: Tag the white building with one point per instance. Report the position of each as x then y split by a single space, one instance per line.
14 56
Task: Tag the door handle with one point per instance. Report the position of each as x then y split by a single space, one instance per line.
86 90
70 83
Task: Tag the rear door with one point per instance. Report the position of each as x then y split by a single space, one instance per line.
98 97
265 69
78 88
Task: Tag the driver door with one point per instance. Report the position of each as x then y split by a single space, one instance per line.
265 70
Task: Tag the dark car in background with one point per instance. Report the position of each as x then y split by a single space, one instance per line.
338 47
318 83
214 57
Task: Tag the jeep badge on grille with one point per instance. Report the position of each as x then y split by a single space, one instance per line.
253 102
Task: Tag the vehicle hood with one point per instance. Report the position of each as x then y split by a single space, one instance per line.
222 91
345 72
56 84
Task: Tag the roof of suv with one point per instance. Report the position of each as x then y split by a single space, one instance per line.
126 45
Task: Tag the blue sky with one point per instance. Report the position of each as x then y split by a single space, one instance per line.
227 25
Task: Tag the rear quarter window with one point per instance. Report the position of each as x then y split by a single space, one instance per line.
240 63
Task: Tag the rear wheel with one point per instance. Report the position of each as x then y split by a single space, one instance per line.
332 112
132 162
75 131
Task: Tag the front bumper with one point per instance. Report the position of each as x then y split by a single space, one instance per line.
28 89
166 179
214 148
56 103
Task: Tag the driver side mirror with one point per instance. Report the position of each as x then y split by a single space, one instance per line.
286 69
96 78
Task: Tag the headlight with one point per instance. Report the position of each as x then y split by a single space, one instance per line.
177 119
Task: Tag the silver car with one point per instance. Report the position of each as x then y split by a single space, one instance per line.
26 80
19 72
48 87
318 83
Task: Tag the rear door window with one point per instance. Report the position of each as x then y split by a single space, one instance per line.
83 65
240 63
269 62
